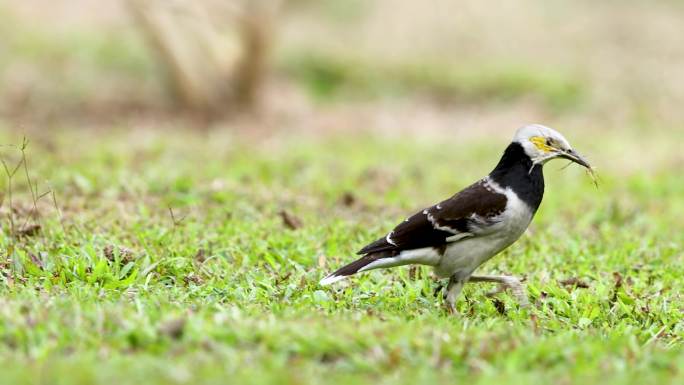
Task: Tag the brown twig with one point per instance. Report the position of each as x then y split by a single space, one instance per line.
56 206
176 222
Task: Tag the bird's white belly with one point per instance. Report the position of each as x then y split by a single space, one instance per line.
464 256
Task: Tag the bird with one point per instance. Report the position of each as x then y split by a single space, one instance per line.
459 234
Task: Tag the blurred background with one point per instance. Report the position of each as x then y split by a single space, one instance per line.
448 67
194 168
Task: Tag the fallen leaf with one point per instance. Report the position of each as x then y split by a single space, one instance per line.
413 272
193 278
348 199
108 252
36 261
499 305
574 281
201 256
126 255
618 279
289 220
616 288
28 230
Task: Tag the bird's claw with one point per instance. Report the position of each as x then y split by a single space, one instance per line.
499 289
506 283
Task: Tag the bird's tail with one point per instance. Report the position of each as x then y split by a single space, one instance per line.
347 270
368 262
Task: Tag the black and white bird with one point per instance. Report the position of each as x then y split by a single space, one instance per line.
459 234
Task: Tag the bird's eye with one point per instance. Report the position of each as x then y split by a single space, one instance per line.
549 142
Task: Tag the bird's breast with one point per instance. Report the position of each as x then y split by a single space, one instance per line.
466 255
515 219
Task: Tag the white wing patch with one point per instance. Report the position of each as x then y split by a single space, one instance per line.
437 226
389 240
458 237
492 186
478 221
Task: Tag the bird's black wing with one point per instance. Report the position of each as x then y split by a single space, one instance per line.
460 216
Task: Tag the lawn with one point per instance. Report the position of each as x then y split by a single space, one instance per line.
171 256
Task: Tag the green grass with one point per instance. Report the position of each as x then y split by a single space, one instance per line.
114 289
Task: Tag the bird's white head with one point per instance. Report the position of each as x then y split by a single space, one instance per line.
543 143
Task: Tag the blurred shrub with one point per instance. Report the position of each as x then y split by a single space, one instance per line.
329 76
333 11
214 54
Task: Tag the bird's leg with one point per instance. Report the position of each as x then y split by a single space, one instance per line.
505 282
453 290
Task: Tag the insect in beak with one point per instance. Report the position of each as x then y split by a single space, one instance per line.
575 157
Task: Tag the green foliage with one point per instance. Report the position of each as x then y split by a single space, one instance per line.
169 263
335 76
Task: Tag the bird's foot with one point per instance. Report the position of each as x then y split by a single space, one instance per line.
505 282
499 289
453 290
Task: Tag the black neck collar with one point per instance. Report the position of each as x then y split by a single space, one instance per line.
517 172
